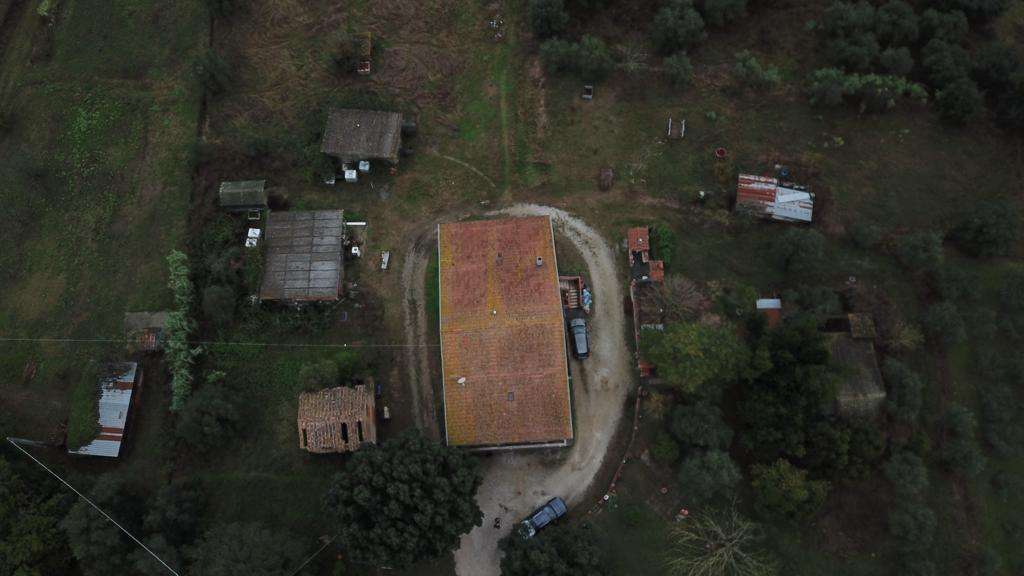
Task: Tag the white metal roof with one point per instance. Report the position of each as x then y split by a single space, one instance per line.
115 400
769 304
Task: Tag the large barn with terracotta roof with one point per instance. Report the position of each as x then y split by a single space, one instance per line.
503 347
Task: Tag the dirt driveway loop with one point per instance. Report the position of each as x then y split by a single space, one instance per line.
517 482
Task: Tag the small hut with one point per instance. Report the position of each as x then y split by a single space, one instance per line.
145 331
337 419
354 135
243 195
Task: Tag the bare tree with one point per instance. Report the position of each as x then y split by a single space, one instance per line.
679 299
725 545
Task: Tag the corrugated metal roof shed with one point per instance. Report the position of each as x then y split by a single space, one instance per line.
243 195
304 256
114 403
769 198
352 135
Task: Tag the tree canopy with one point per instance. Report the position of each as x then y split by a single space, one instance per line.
557 551
405 500
718 544
31 542
245 548
782 489
693 355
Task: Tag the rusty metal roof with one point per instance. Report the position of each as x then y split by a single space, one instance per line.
503 347
362 135
769 198
304 259
115 400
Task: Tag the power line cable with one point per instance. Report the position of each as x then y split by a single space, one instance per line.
216 342
98 509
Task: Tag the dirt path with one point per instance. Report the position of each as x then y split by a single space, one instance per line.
517 482
414 324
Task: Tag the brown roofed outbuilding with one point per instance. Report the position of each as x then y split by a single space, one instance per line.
352 135
337 419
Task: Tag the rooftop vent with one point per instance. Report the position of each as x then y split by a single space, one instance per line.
462 380
540 261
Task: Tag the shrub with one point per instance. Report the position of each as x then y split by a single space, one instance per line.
944 63
865 235
678 70
912 526
180 355
344 54
948 26
223 8
976 9
1008 105
209 417
693 356
1001 417
664 449
219 304
994 65
800 249
664 243
848 18
904 399
879 93
749 73
908 475
557 550
783 490
920 252
942 323
897 61
896 24
827 87
548 17
991 229
700 426
590 59
961 452
212 73
718 13
677 26
855 52
815 300
706 475
319 375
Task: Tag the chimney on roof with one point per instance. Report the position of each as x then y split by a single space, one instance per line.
540 261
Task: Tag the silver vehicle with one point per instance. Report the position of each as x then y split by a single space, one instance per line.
580 342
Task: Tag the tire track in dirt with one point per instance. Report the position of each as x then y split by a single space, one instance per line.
415 326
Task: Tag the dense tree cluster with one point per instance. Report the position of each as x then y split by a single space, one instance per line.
405 500
31 508
557 550
872 48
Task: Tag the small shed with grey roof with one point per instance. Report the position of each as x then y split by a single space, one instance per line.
303 256
352 135
243 195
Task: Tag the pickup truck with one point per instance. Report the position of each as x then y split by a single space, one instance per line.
546 514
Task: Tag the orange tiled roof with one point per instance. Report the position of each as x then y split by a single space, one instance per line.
502 330
639 239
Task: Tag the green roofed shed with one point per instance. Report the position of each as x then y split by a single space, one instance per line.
243 195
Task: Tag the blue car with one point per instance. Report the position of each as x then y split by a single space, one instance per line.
546 514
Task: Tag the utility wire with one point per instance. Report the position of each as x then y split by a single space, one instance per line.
98 509
314 555
216 342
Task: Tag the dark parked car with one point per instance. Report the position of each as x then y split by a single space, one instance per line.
546 514
580 343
